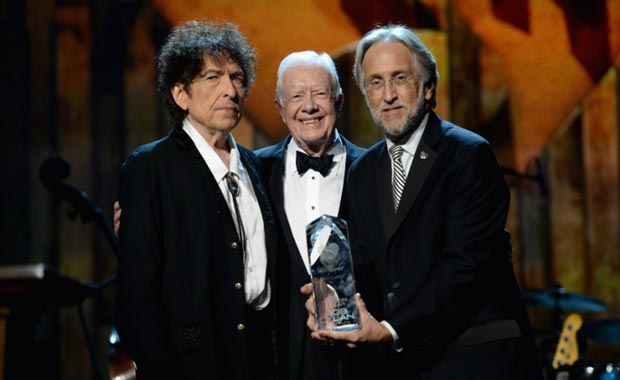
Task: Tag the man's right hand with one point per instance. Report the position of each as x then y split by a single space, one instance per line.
117 217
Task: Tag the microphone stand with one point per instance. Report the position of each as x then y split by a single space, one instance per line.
52 170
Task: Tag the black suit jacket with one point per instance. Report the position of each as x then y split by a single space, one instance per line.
179 312
443 258
305 358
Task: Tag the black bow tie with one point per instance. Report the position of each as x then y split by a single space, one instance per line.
320 164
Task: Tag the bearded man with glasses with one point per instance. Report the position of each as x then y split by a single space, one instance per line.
427 207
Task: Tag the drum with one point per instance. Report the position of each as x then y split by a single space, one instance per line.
595 371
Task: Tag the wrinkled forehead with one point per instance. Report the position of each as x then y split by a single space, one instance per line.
307 74
220 60
388 57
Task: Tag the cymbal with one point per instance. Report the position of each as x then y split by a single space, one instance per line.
606 330
560 299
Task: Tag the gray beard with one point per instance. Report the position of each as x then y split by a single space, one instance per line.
411 124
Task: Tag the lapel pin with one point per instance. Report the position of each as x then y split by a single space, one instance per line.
423 155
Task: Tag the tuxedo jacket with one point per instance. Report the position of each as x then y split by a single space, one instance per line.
443 257
305 358
181 310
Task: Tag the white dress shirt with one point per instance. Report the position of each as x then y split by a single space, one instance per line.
309 196
409 146
257 290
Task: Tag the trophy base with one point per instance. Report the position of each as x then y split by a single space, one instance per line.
350 327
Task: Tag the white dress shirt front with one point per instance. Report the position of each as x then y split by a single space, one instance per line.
257 289
309 196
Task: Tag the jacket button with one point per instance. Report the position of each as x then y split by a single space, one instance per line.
238 285
240 327
234 245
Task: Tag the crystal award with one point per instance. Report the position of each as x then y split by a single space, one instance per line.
331 272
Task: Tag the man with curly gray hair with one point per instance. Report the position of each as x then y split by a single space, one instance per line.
194 296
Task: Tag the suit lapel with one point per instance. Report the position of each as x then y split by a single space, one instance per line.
276 186
201 172
383 178
259 191
353 153
276 180
421 166
200 169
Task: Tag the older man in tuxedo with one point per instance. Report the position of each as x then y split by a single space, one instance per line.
306 176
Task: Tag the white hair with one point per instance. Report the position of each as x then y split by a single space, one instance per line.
424 62
308 58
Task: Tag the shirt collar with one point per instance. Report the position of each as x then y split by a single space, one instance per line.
213 161
411 144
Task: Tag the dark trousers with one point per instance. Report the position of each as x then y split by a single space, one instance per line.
260 343
506 359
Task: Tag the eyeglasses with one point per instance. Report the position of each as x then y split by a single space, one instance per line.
399 82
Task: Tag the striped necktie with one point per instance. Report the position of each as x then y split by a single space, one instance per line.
398 173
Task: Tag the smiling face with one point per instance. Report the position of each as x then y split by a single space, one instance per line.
395 107
308 107
215 98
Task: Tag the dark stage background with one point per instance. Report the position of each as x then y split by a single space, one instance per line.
537 78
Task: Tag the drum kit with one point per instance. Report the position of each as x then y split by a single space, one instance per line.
575 335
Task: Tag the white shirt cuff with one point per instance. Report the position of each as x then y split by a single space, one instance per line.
395 340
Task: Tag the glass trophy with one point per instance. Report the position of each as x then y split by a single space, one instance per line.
331 271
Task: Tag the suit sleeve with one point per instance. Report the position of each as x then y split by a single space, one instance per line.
141 318
470 251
